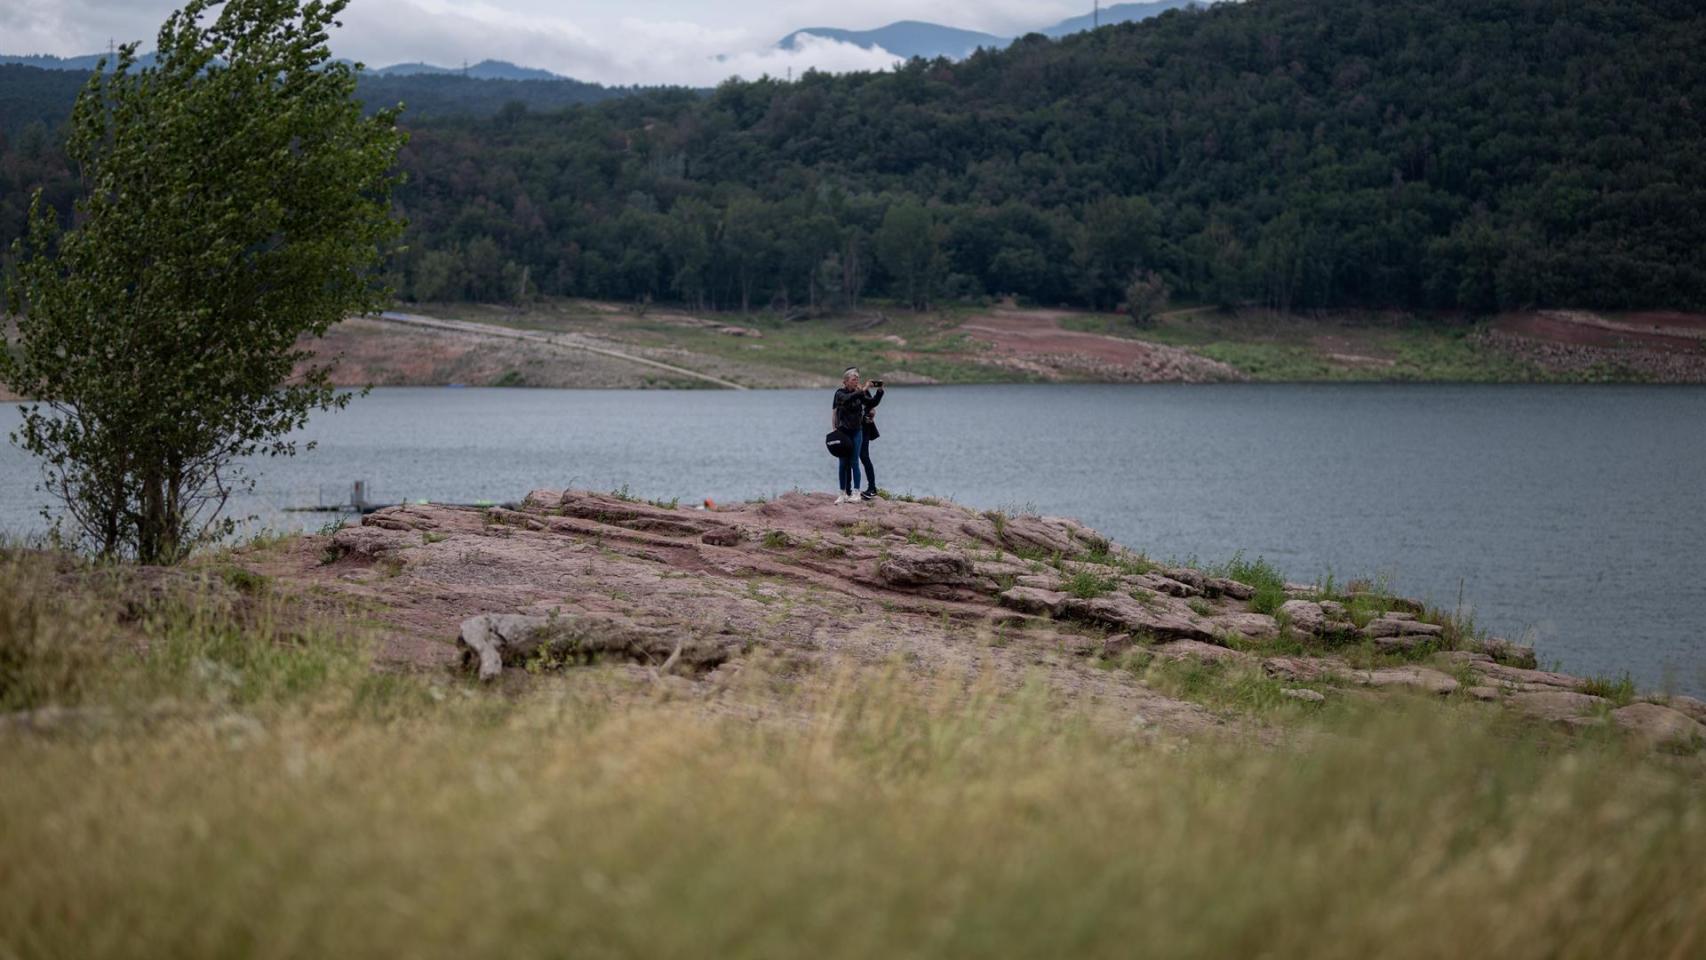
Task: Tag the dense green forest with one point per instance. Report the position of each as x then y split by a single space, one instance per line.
1455 154
35 102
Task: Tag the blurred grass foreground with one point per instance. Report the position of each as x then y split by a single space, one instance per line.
205 771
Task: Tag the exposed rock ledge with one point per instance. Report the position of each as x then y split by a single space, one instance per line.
689 594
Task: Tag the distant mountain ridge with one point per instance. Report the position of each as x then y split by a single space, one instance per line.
904 38
484 70
82 64
1119 13
916 38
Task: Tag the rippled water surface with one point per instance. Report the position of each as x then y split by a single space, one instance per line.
1571 514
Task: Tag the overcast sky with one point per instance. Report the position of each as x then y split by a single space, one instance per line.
633 41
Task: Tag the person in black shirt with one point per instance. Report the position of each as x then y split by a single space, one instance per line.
849 413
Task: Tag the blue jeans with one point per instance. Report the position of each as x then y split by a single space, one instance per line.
848 474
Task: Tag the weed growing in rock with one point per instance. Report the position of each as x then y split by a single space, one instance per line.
1364 608
821 547
1105 554
1269 584
1619 690
1147 597
1087 584
243 580
1243 688
922 538
863 528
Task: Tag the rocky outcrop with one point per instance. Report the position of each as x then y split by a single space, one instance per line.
913 566
491 642
1689 707
1221 586
1392 625
1556 705
1509 653
1660 726
1249 625
1418 678
1305 616
1149 619
1036 600
571 578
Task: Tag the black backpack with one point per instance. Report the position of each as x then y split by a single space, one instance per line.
839 444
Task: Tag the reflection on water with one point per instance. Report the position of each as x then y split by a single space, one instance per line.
1569 513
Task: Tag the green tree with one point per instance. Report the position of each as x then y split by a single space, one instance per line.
907 245
235 200
746 233
438 275
1116 235
1145 296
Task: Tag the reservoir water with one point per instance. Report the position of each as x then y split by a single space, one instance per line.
1569 516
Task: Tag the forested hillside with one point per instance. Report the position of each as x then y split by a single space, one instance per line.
1458 154
35 101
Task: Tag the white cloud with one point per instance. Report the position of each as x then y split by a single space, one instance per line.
626 50
608 41
73 27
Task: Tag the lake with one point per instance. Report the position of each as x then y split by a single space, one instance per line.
1570 516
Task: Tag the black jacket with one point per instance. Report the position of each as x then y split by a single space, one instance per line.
853 406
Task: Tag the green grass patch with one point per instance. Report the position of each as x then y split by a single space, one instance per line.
1088 584
1240 688
1267 581
1619 690
244 580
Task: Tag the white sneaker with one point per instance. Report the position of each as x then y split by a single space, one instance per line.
841 498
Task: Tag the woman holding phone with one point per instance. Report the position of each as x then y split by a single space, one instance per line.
850 413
